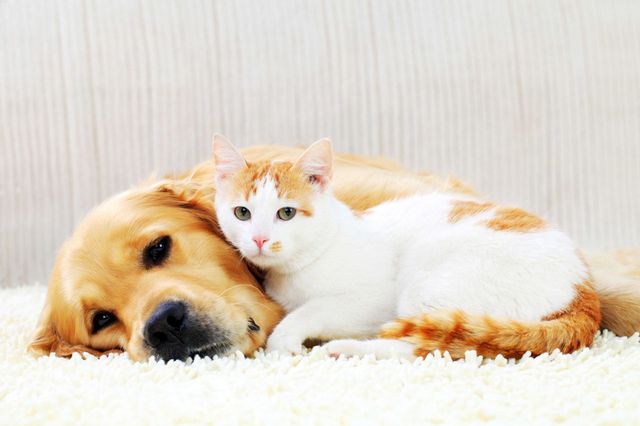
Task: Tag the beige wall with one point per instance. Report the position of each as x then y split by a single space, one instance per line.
533 102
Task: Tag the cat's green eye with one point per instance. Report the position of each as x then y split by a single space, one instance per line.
242 213
286 213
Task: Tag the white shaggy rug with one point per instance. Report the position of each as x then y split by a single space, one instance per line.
600 385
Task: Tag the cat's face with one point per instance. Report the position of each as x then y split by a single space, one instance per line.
268 211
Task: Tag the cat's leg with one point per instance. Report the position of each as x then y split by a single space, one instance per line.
327 318
381 348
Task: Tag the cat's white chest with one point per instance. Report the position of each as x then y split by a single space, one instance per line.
352 266
290 290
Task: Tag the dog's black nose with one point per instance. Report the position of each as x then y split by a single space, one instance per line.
176 331
167 325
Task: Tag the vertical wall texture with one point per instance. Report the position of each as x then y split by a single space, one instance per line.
533 102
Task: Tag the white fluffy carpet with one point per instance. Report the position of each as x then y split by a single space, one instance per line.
600 385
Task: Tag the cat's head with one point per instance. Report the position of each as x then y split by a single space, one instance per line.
271 211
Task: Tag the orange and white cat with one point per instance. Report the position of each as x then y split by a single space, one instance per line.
425 272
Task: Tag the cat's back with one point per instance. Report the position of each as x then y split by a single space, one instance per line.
421 213
465 253
433 226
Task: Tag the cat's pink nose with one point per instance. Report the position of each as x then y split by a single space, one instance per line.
260 241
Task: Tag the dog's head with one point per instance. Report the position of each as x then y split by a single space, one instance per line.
149 272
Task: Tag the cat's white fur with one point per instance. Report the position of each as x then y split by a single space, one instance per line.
340 275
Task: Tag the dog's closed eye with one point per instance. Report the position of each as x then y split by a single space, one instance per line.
157 252
253 326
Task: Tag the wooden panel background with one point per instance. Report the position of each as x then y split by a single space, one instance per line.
533 102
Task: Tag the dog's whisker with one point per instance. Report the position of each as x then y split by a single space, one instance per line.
233 287
267 307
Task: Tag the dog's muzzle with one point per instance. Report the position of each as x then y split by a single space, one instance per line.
174 331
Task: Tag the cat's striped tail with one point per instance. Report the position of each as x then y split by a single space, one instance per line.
457 332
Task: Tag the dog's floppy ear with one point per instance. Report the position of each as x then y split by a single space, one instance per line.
188 193
185 193
46 340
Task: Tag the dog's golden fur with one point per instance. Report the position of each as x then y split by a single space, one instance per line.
99 267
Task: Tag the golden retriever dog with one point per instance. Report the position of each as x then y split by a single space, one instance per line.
148 271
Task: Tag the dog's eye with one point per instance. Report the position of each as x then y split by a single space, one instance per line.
102 319
157 252
253 326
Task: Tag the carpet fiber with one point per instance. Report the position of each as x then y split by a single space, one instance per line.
600 385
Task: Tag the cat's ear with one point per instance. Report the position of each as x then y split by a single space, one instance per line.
317 162
226 157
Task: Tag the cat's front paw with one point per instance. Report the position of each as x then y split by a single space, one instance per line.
283 343
345 347
380 348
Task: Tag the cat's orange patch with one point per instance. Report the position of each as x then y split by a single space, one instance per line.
290 182
456 332
462 209
585 300
453 184
515 220
276 246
